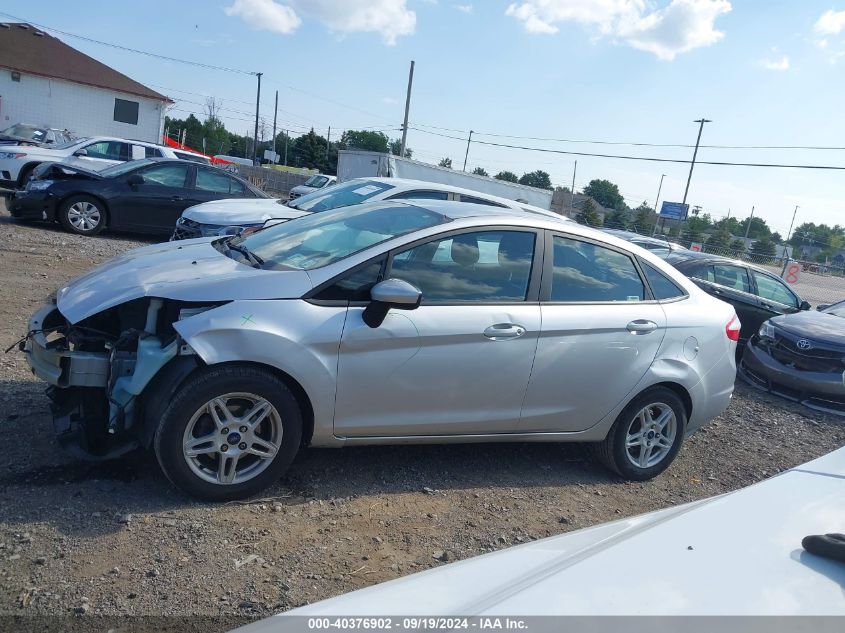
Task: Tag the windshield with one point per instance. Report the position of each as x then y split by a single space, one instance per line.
122 168
352 192
321 239
27 132
837 309
316 181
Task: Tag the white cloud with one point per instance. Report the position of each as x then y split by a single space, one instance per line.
776 64
679 27
831 22
265 15
463 8
389 18
389 100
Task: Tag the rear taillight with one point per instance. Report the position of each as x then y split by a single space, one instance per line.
732 328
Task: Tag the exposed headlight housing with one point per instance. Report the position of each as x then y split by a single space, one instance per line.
767 331
38 185
226 231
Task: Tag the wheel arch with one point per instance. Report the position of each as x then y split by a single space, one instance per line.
679 390
27 169
174 374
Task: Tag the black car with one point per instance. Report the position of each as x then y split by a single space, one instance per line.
801 357
755 293
146 195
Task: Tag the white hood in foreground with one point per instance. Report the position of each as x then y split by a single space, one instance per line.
736 554
189 270
240 211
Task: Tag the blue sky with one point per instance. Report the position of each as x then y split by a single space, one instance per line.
768 72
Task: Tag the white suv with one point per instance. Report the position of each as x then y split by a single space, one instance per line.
94 153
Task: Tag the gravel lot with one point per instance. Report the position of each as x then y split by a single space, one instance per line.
85 540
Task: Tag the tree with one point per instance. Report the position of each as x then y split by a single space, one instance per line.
758 228
396 146
764 247
719 241
445 162
617 219
643 219
538 178
605 193
731 225
737 247
588 214
777 238
480 171
366 140
695 227
309 150
508 176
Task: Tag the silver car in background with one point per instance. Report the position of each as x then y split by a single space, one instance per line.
393 322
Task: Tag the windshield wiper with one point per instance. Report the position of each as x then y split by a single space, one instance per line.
254 260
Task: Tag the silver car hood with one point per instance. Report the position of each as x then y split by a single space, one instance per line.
190 270
240 211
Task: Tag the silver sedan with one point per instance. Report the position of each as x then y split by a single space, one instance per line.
383 323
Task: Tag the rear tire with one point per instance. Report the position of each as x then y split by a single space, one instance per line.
646 436
83 215
228 432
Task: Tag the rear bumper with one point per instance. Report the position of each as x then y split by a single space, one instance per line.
817 390
35 205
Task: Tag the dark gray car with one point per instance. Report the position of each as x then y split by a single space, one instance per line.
801 356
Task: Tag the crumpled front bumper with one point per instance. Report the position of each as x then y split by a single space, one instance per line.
56 365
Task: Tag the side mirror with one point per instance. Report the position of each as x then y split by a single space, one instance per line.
805 305
823 306
135 179
81 152
390 293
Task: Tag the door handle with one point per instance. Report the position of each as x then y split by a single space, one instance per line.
177 198
641 326
504 331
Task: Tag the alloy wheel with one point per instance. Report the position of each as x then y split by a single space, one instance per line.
84 216
651 435
232 438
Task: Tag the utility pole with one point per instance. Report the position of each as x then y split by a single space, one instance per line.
407 109
659 188
701 123
572 191
786 241
748 226
469 139
328 137
257 104
286 147
275 112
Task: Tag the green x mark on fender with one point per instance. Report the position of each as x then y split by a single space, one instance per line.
247 318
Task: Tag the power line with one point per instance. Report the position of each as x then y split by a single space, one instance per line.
630 143
132 50
644 158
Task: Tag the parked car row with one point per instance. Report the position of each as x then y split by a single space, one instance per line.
17 163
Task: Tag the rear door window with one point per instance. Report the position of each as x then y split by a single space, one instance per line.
729 276
585 272
475 200
108 150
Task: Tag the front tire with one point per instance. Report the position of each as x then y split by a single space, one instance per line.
646 436
82 215
229 432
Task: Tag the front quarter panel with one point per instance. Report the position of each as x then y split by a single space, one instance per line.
292 335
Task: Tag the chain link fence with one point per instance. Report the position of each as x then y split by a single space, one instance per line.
271 181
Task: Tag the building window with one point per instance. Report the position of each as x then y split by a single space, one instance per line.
126 111
16 76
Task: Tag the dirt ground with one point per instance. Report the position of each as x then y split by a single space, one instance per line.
85 540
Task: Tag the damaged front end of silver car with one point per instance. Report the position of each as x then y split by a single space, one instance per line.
112 373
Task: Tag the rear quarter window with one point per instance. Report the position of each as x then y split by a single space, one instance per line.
661 286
